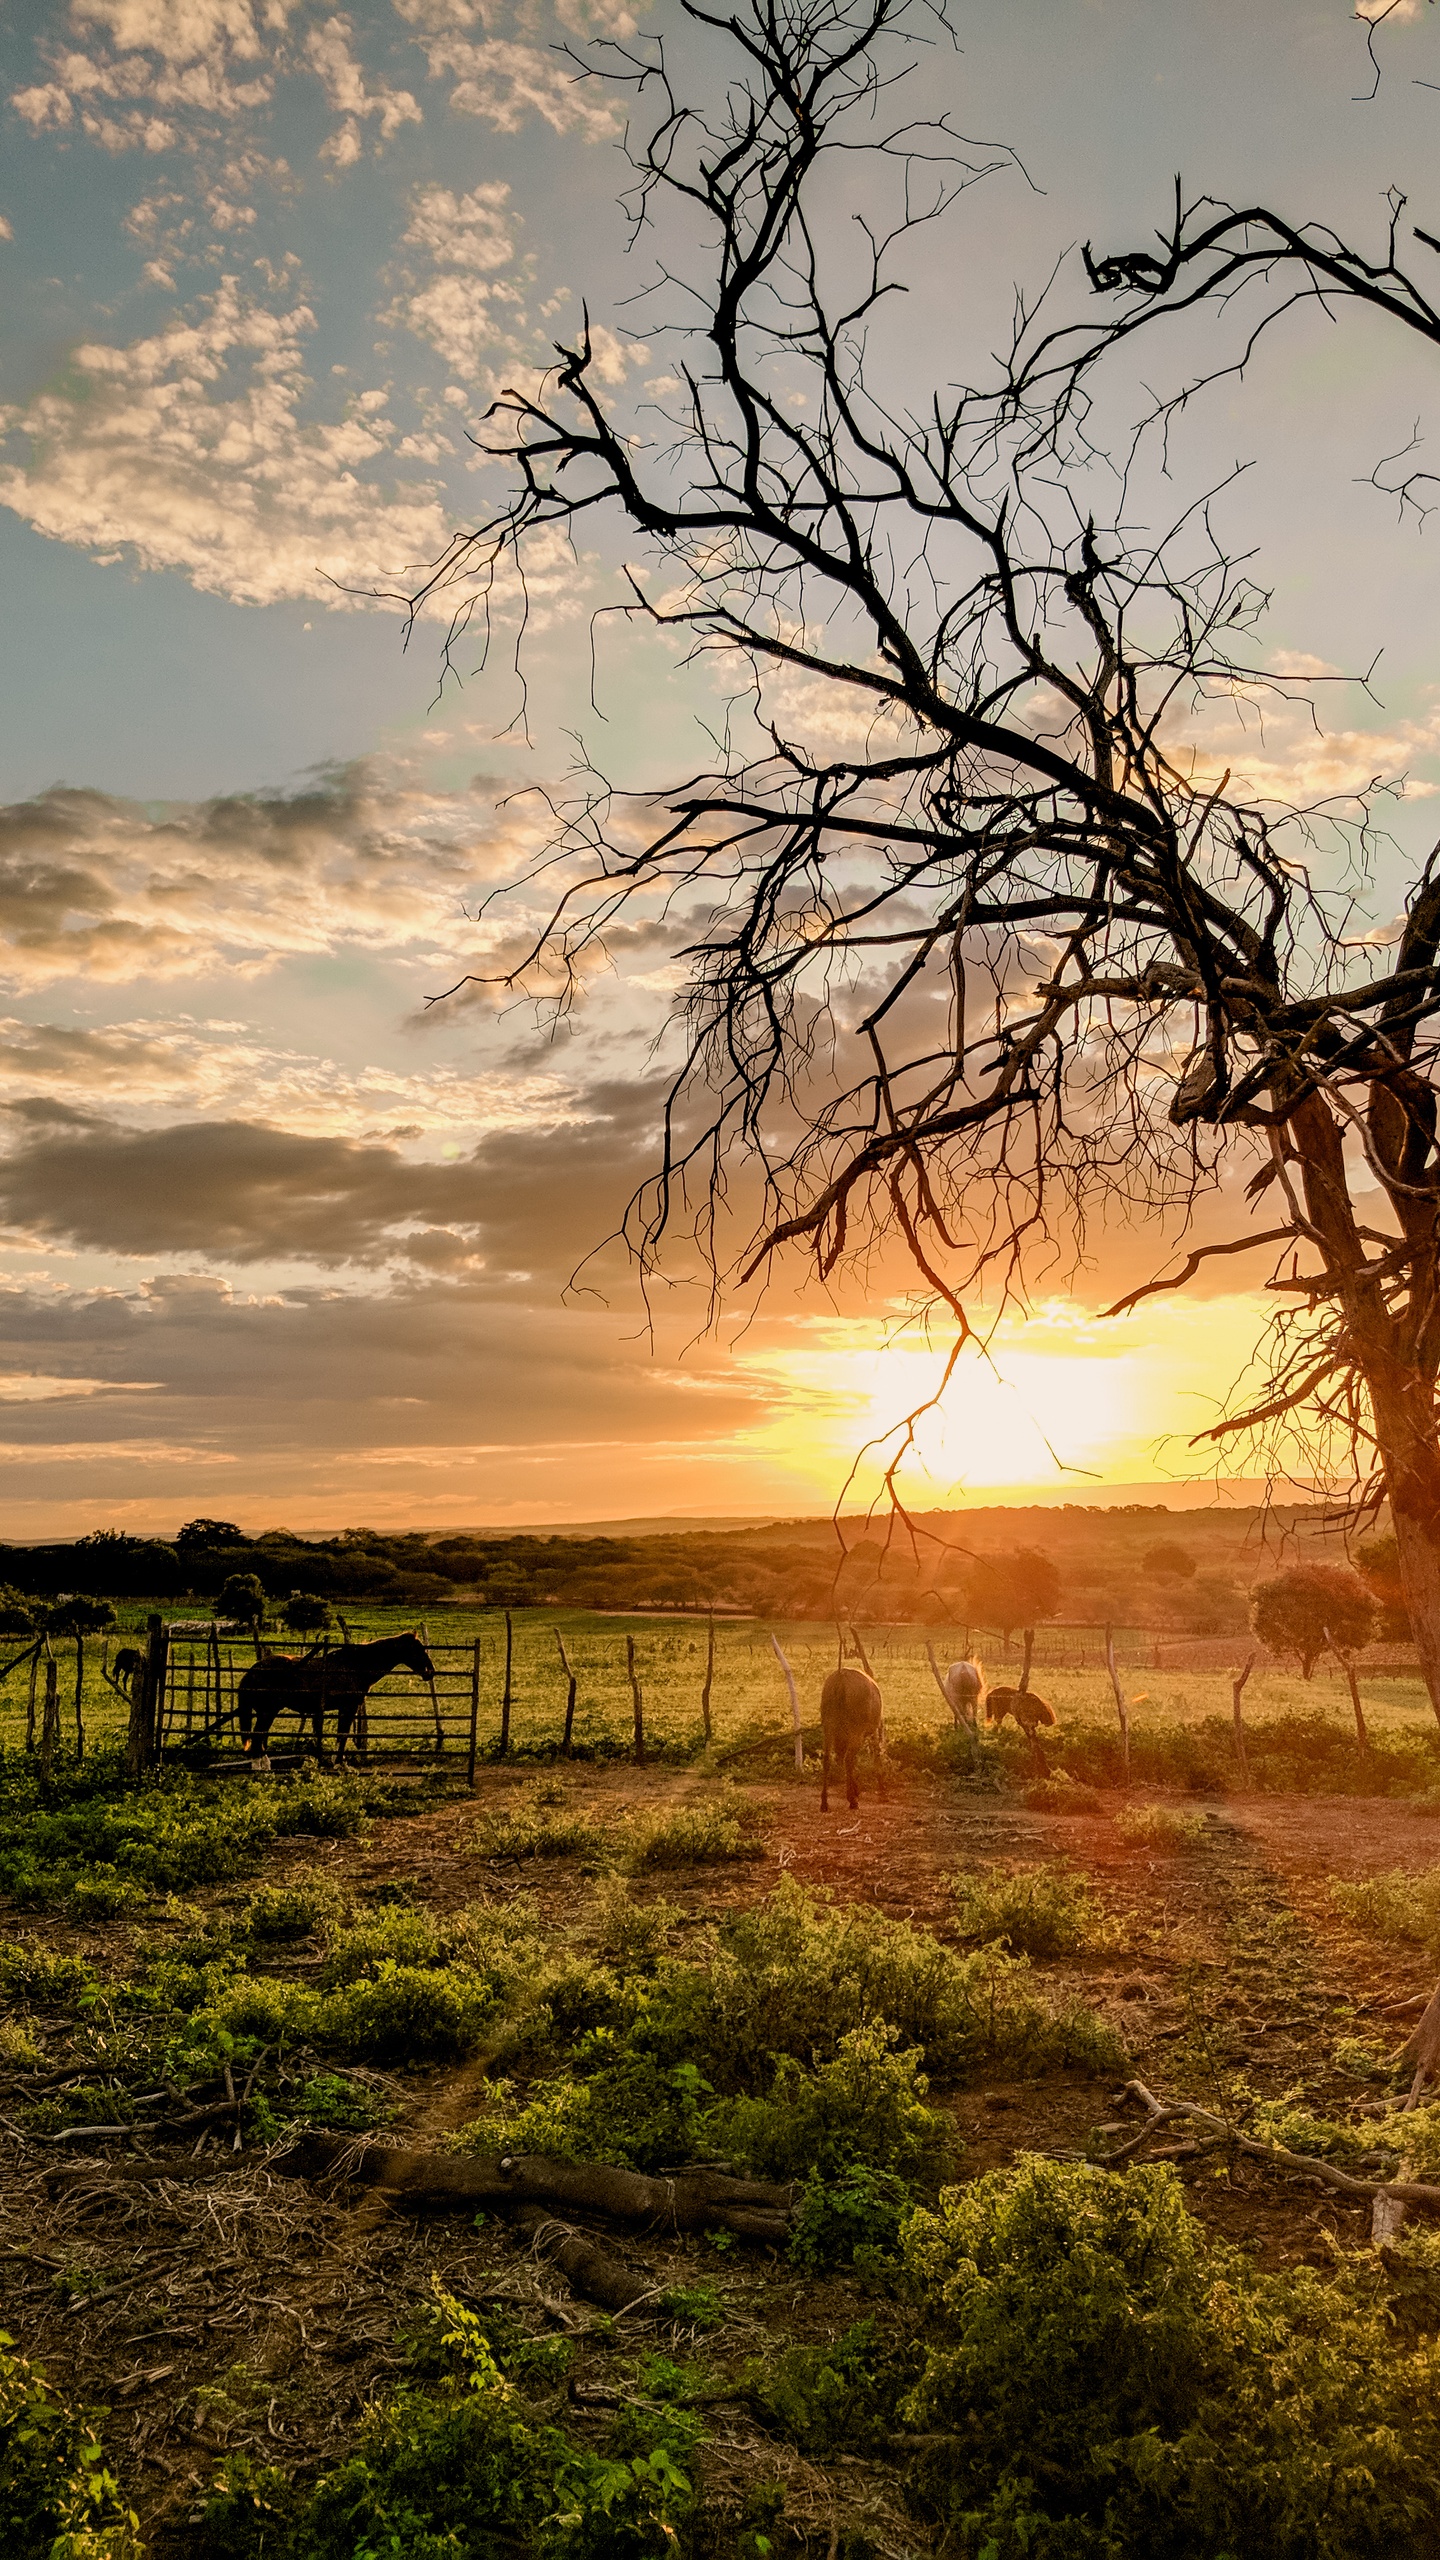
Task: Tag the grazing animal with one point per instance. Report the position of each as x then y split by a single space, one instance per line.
851 1714
964 1686
128 1664
1029 1712
313 1682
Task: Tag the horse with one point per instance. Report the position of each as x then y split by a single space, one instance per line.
851 1714
1029 1712
312 1681
964 1686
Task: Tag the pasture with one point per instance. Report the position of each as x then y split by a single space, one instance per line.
748 1690
248 2028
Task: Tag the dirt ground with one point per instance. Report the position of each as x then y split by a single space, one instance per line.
232 2307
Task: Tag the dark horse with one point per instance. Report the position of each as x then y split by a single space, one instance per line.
313 1682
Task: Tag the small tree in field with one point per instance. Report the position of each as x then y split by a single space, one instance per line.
242 1597
305 1613
1176 1563
17 1614
1313 1609
1012 1591
79 1616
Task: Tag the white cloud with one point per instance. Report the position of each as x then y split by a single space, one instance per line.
505 84
464 231
331 55
188 450
95 888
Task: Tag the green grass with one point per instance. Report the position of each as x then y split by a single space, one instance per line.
749 1694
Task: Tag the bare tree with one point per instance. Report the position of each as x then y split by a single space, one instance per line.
956 769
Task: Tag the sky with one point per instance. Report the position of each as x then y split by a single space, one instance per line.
286 1234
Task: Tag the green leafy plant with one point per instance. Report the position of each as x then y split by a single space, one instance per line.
708 1832
1399 1905
59 2500
1110 2380
1035 1911
1159 1826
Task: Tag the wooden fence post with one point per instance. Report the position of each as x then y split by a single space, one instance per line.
635 1693
30 1701
50 1723
709 1678
1122 1708
565 1744
1237 1691
147 1703
1348 1667
474 1713
505 1696
794 1703
79 1696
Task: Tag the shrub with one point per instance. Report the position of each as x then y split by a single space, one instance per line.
17 1614
630 1935
854 2219
866 2106
241 1597
530 1830
1112 2381
1398 1905
305 1613
58 2498
1036 1911
1159 1826
32 1973
824 2397
464 2470
79 1616
709 1832
308 1904
393 1936
793 1975
103 1895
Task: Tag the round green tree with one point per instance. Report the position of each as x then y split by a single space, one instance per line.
1313 1609
305 1613
242 1597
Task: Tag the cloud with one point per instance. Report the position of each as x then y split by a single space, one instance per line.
505 84
467 311
95 887
330 52
240 1192
137 55
148 449
57 1075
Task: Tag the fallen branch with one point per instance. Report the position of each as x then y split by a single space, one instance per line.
1275 2154
687 2200
778 1741
590 2269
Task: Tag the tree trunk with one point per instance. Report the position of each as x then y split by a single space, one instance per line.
1409 1446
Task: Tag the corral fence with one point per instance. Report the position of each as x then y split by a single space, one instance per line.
186 1697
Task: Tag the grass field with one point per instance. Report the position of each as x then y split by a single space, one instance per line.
749 1692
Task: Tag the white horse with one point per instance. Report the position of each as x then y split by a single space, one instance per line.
962 1687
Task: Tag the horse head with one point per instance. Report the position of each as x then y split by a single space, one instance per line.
411 1652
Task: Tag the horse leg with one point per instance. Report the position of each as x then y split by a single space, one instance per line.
260 1756
852 1782
825 1777
345 1714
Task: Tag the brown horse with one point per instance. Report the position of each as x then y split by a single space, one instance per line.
851 1714
1029 1712
313 1682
